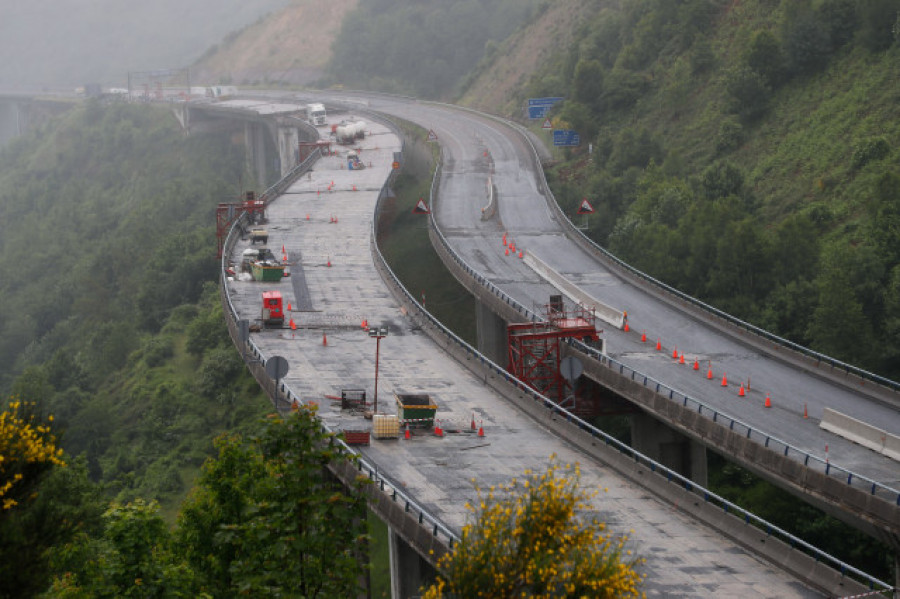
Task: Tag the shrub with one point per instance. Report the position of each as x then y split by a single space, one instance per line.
866 151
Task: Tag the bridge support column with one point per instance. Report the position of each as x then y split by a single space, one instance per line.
491 334
670 448
409 571
288 148
255 144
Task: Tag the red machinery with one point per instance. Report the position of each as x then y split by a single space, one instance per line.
272 308
534 355
226 214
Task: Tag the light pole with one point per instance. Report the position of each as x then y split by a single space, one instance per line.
378 333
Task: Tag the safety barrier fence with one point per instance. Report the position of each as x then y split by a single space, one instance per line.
672 476
426 519
816 357
379 479
845 475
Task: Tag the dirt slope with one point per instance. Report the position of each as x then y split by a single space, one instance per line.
292 46
495 89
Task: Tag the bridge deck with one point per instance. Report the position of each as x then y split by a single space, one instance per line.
683 558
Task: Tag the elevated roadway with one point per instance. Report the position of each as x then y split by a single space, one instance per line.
324 221
849 480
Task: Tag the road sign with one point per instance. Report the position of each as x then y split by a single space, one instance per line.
566 137
395 165
547 124
432 136
421 207
276 367
585 207
539 107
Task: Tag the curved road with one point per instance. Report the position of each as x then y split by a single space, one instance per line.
526 217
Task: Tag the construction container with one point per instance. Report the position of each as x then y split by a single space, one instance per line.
385 426
353 399
415 409
272 308
356 437
267 271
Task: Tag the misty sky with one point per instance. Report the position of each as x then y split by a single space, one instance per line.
66 43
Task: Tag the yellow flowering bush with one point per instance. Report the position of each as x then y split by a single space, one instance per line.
531 538
26 448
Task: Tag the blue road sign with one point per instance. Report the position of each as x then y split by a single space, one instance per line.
539 107
566 137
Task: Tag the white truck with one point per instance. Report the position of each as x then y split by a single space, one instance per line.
315 114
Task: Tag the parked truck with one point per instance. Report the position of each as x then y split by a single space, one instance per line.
315 114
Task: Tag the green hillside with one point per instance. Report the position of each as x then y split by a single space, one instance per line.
746 153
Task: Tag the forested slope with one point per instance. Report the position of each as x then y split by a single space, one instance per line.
744 152
109 317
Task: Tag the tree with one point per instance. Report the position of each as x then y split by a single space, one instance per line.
268 519
132 558
27 449
530 538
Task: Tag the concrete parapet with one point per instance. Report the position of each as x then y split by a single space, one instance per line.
861 432
604 312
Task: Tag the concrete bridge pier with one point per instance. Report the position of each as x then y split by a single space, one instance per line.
660 442
409 570
491 334
255 144
288 146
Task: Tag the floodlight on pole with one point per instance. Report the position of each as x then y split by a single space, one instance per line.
378 333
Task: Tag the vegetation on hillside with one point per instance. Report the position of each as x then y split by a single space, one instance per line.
745 153
424 48
110 315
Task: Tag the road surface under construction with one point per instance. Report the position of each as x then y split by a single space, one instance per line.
323 228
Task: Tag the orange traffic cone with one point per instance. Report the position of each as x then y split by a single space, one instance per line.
406 434
768 401
307 217
506 251
282 249
724 380
741 392
365 324
289 306
805 413
644 337
481 430
696 364
284 258
521 253
472 426
504 239
324 339
354 188
328 264
681 359
709 375
658 344
438 431
675 353
626 328
293 325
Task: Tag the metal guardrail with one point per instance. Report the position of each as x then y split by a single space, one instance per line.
436 526
707 495
851 478
425 518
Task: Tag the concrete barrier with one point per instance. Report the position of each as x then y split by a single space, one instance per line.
861 432
490 210
603 311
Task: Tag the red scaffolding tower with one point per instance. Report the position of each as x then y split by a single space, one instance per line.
227 213
534 347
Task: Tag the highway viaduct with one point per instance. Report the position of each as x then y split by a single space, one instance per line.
317 381
500 303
